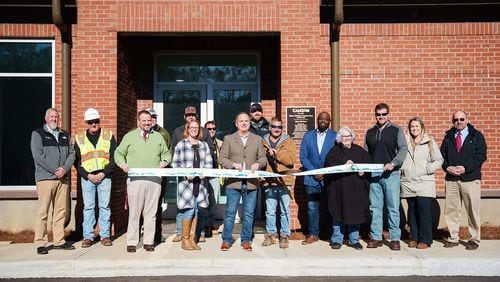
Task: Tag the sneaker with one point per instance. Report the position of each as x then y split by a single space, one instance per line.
284 241
335 246
106 242
356 246
86 243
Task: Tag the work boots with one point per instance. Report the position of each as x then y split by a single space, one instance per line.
269 239
284 241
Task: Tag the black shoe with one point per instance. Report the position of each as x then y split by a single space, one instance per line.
471 245
66 246
131 249
356 246
335 246
42 250
450 244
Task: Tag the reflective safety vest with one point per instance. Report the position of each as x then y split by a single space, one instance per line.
94 158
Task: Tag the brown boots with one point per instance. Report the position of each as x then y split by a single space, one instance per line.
188 234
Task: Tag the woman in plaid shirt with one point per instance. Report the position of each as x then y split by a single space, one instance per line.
191 152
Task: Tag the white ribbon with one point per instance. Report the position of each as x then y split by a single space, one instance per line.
233 173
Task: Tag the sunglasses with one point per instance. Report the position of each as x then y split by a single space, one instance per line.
95 121
381 114
212 128
277 126
191 115
458 119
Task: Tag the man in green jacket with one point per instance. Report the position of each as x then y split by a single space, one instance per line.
142 148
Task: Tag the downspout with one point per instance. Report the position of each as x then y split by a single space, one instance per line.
65 30
338 19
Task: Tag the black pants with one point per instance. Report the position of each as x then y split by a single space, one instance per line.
420 219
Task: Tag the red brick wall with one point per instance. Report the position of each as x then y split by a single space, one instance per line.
429 70
424 70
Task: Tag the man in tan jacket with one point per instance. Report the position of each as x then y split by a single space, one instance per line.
280 150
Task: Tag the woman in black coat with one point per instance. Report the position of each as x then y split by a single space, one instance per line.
348 201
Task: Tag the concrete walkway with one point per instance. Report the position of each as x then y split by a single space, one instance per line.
21 260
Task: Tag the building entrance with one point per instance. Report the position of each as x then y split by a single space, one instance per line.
218 85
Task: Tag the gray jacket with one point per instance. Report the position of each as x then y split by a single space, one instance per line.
50 154
417 172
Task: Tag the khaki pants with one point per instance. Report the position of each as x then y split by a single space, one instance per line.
470 194
49 192
143 195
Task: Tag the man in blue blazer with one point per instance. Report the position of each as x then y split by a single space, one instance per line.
315 146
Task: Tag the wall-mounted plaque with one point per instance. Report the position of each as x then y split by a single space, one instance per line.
299 120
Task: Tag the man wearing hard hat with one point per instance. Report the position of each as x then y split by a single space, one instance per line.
94 150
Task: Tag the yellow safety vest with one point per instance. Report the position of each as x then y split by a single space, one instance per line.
94 158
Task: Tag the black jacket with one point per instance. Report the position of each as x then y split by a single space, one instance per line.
472 154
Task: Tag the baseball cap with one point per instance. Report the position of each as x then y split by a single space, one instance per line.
190 110
256 107
91 114
152 112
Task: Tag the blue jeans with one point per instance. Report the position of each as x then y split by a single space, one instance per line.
313 199
385 187
188 214
338 232
273 195
178 221
249 199
89 190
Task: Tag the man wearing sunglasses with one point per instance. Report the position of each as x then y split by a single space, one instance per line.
94 149
464 151
386 143
280 151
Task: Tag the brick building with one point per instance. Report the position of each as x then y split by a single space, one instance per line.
423 58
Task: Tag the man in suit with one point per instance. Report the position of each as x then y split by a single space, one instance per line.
241 150
315 146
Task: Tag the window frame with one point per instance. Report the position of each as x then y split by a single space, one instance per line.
16 191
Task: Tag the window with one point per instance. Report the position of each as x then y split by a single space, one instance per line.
26 91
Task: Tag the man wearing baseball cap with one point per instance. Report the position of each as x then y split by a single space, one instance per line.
258 123
94 149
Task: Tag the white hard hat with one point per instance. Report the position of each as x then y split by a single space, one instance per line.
91 114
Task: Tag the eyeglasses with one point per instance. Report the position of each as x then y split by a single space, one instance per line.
212 128
381 114
277 126
191 115
458 119
346 136
95 121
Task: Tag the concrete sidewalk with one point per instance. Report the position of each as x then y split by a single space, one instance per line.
21 260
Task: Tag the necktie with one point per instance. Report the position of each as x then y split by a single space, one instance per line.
458 141
145 135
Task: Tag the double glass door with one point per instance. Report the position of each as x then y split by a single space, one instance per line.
219 86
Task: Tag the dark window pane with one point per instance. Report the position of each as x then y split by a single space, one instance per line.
23 102
218 68
26 57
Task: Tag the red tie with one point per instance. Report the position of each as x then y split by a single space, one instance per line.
459 142
145 135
